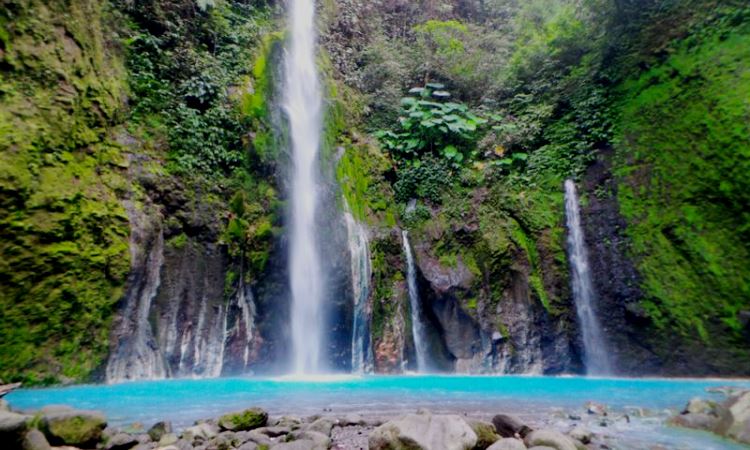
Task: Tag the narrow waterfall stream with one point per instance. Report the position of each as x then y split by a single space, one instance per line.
417 327
359 251
302 103
596 356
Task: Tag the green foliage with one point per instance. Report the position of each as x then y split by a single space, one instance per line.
683 147
184 76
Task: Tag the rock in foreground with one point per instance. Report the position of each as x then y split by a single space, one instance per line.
423 431
730 419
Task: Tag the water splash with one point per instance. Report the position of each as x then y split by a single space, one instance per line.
596 355
302 103
359 251
417 327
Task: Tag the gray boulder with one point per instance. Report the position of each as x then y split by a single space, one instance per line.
168 439
66 426
274 431
735 419
4 406
424 431
322 441
159 429
321 425
486 435
203 430
581 434
550 438
246 420
295 445
121 441
248 446
35 440
508 444
510 426
288 421
12 427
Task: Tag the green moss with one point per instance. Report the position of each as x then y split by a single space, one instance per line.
248 419
63 232
684 165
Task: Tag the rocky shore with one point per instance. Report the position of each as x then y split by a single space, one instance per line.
65 428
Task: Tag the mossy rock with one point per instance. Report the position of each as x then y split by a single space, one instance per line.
485 432
76 428
248 419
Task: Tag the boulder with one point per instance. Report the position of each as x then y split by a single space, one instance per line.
168 439
295 445
352 419
699 406
508 444
35 440
322 441
424 431
203 430
321 425
288 421
581 434
258 438
697 421
735 417
246 420
4 406
485 432
550 438
13 427
274 431
159 429
510 426
121 441
541 447
248 446
73 427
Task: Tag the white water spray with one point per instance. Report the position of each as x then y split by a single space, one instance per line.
417 327
302 103
596 356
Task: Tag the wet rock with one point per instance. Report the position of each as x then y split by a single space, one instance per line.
485 432
121 441
550 438
35 440
581 434
159 429
321 425
510 426
12 427
246 420
73 427
424 431
508 444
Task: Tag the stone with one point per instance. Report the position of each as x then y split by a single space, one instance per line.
541 447
581 434
13 427
274 431
699 406
121 441
510 426
168 439
4 406
550 438
145 446
295 445
735 417
248 446
352 419
35 440
258 438
73 427
508 444
219 443
203 430
246 420
321 425
697 421
424 431
288 421
485 432
595 408
322 441
159 429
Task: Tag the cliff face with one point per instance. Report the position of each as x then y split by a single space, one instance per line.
143 176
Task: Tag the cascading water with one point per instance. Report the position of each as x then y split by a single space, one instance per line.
302 103
596 356
359 252
417 327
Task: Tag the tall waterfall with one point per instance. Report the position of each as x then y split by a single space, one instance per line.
302 103
359 252
596 356
417 327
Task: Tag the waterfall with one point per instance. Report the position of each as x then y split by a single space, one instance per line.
596 356
302 103
359 252
417 327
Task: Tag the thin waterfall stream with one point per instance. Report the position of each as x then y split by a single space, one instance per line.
596 355
359 252
417 327
303 103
